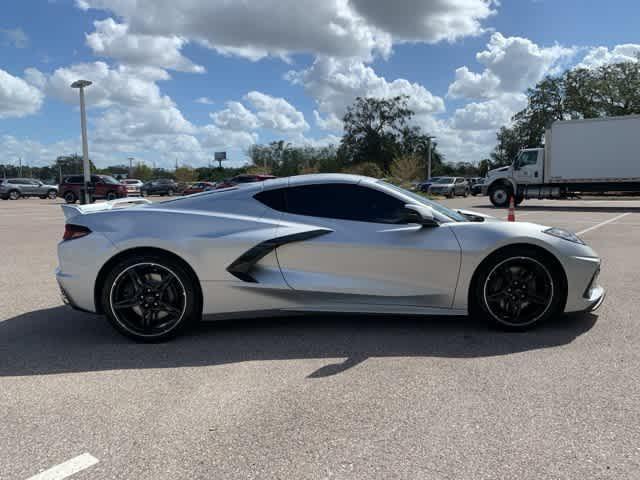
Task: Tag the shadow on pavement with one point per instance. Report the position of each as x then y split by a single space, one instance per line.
60 340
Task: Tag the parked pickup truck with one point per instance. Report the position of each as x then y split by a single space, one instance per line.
596 155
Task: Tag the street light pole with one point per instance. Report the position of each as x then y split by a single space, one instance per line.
81 84
130 167
429 151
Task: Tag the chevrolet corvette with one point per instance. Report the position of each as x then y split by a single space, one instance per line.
315 243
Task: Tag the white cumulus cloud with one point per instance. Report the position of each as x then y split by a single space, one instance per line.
335 83
596 57
114 40
340 28
276 113
512 64
17 97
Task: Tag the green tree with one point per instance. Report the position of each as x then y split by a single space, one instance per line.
378 130
373 128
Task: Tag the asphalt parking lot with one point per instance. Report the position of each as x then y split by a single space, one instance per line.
322 397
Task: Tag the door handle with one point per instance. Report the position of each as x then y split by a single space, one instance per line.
536 174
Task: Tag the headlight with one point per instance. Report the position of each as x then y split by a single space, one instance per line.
565 235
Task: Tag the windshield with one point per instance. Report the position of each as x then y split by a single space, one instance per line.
444 180
111 180
447 212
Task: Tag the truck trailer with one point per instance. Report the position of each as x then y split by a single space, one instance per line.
594 155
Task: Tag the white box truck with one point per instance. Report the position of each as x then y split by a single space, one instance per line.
595 155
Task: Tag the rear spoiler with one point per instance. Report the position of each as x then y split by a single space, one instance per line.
71 211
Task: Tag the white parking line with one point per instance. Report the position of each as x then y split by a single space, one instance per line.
602 224
67 468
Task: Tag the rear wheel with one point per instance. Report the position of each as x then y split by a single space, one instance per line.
14 195
517 290
499 195
70 197
150 298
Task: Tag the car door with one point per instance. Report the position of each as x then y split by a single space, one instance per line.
26 186
527 167
362 254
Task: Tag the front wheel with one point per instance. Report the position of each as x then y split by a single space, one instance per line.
112 196
150 298
170 192
14 195
52 194
517 290
499 196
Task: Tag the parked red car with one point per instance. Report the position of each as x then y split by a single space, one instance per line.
104 187
245 178
198 187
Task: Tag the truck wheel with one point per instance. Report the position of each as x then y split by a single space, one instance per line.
499 195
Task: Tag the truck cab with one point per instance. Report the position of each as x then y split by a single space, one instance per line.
502 183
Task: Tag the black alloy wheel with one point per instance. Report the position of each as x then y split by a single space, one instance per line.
150 298
518 291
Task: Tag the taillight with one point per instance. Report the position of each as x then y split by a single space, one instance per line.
72 231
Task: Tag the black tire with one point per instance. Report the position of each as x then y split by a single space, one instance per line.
152 270
170 192
14 195
70 197
499 195
111 195
466 193
52 194
519 199
536 290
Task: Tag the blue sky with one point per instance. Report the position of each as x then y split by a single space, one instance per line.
165 73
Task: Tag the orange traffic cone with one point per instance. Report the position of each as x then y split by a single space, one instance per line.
512 210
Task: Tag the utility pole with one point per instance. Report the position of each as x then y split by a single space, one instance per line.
130 167
20 163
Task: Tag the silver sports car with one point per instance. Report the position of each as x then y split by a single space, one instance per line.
315 243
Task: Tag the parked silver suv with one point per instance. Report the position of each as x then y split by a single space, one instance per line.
14 188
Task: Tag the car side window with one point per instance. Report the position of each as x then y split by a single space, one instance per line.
343 201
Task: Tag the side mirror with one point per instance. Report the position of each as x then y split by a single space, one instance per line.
420 214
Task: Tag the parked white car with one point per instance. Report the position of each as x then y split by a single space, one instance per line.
133 186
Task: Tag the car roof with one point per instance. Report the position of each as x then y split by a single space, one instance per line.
313 178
